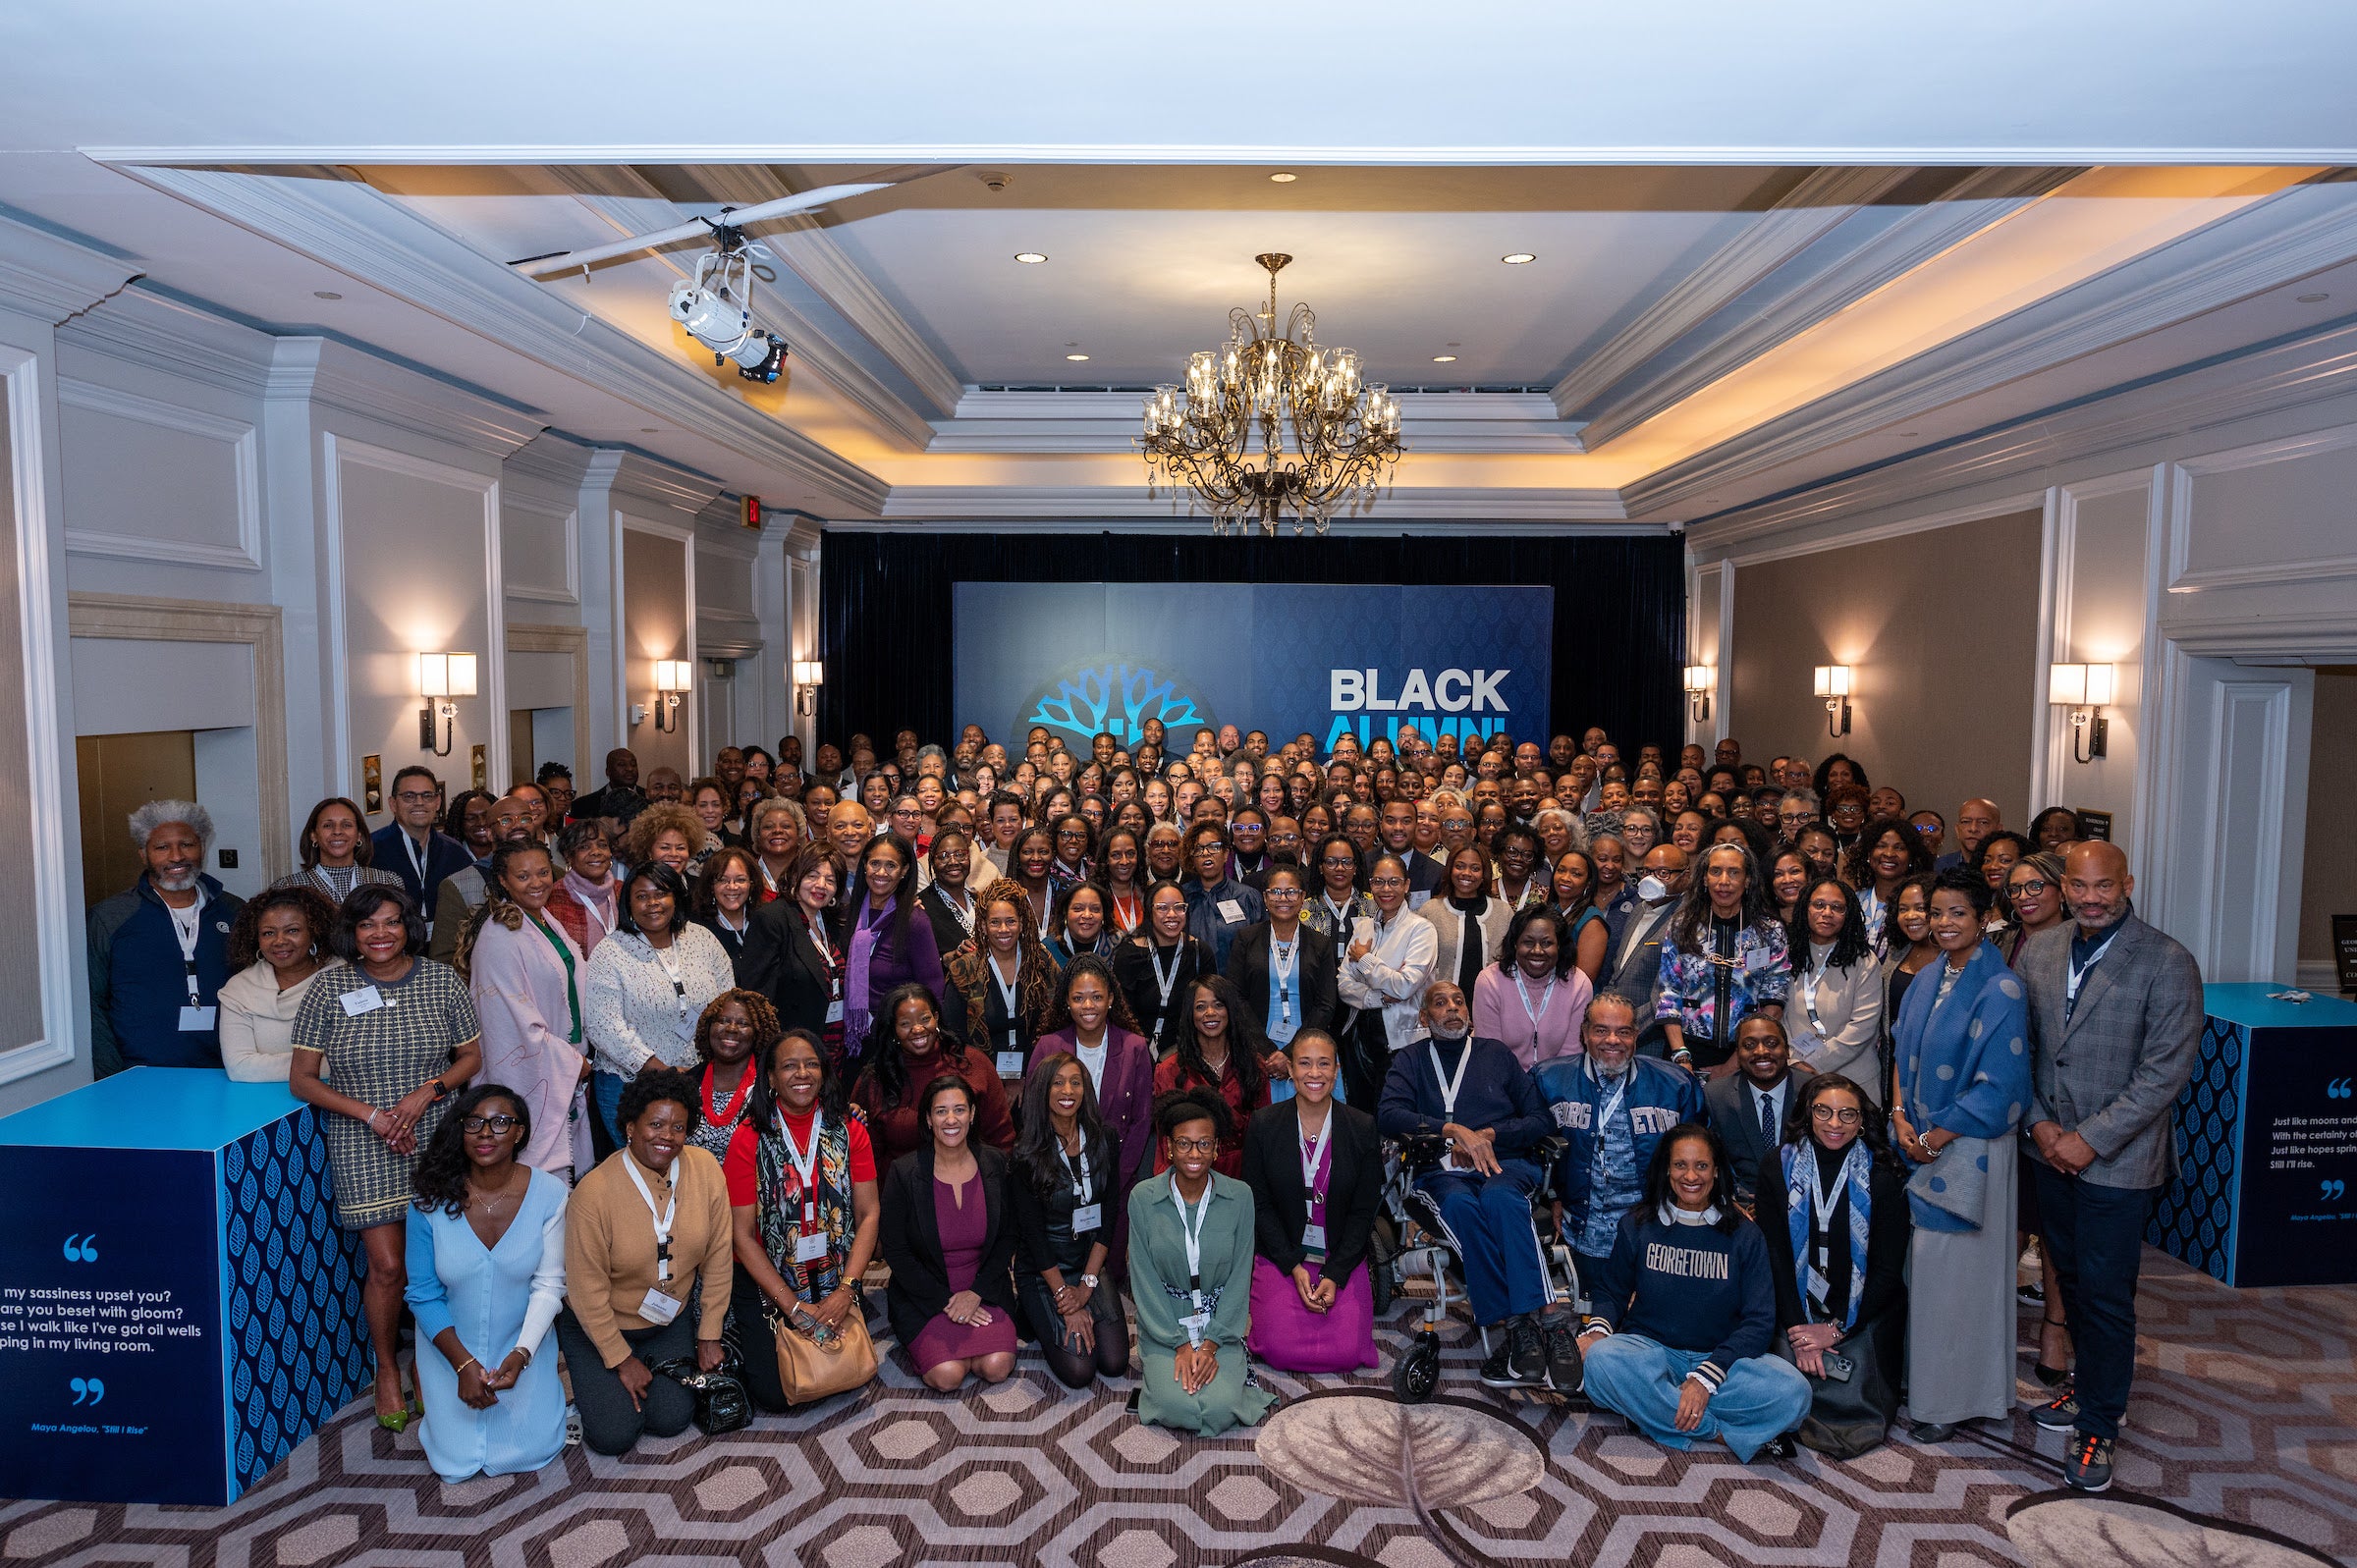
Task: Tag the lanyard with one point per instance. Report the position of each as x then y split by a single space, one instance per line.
1811 978
1127 912
1081 1185
965 916
671 969
671 1209
2078 971
186 936
1822 1204
1192 1235
767 881
573 995
1007 995
1284 962
1340 914
1545 1000
816 927
1449 1086
1164 984
725 1115
1313 1153
804 1164
418 859
1605 1107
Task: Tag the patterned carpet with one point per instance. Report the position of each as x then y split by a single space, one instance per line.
2242 1449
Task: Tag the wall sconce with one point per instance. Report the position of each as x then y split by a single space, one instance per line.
441 676
1699 680
2085 689
809 675
1832 685
672 676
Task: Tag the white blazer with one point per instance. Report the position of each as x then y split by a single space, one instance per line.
1393 974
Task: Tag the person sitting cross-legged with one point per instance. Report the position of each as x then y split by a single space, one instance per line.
1476 1096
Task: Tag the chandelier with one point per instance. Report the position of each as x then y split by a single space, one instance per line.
1248 393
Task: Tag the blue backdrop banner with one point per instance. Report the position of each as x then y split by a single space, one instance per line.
1323 659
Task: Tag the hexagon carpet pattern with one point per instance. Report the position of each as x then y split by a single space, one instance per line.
2245 1421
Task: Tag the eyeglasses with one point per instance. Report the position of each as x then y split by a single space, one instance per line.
1388 881
489 1124
1279 894
1195 1146
2031 885
1846 1116
415 797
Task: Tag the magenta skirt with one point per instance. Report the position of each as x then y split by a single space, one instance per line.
1292 1338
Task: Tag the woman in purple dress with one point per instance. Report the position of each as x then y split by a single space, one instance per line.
1315 1168
950 1238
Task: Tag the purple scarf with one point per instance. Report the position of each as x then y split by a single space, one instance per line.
595 896
864 935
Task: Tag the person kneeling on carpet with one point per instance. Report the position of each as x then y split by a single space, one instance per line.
1191 1273
1678 1332
949 1235
1315 1168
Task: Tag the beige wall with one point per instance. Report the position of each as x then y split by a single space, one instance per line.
654 613
1940 630
2328 868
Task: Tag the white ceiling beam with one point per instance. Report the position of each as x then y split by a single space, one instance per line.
367 235
1980 200
1077 421
802 243
2272 242
1803 215
1400 503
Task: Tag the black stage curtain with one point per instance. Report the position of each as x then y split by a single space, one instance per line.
884 609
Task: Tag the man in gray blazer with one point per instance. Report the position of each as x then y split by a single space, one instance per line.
1633 950
2115 1027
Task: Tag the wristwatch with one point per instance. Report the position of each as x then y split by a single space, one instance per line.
1089 1282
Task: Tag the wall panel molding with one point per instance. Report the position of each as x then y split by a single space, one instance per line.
236 434
573 643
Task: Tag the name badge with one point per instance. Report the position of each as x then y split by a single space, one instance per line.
196 1020
367 999
1011 1064
834 1012
1231 911
685 1027
810 1247
657 1308
1088 1217
1196 1324
1755 960
1313 1238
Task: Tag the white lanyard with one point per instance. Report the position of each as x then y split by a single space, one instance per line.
965 916
1284 961
1810 979
629 1164
2078 971
1341 916
1313 1152
1007 995
743 925
1822 1205
670 970
1545 1000
418 859
1193 1237
1605 1109
767 881
1163 982
816 926
805 1164
1449 1086
1081 1187
186 936
1046 911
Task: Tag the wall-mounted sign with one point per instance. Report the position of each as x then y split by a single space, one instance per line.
481 763
372 783
2095 824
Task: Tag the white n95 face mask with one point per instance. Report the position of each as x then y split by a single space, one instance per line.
1652 890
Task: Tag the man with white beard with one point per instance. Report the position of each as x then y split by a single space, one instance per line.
159 950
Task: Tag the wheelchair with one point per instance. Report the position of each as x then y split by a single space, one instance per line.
1423 1251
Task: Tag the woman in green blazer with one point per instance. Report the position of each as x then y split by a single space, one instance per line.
1190 1272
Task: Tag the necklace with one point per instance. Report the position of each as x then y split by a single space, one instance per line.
490 1205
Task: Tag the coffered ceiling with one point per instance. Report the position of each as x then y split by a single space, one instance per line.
1694 333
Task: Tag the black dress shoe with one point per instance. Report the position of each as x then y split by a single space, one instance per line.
1780 1446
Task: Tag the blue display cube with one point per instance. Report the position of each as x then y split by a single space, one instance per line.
178 1307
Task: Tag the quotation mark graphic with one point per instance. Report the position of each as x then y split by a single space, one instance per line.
2340 1088
81 1248
86 1390
2335 1191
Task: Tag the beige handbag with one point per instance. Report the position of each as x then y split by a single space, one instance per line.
809 1370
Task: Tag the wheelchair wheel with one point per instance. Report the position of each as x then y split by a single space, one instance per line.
1379 1285
1417 1372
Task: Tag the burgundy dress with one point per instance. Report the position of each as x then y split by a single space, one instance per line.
963 1230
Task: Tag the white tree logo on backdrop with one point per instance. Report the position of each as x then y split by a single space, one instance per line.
1116 699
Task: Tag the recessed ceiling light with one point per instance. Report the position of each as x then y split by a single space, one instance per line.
326 294
2312 299
1283 179
1029 258
1444 359
1518 258
1076 358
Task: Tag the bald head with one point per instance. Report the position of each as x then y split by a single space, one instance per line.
848 828
2095 884
1976 819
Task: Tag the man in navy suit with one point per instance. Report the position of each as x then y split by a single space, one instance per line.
409 848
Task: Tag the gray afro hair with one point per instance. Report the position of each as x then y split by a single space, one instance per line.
154 814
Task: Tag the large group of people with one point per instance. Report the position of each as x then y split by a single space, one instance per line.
1087 1044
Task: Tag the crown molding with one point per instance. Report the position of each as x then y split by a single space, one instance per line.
368 235
149 330
54 279
1437 504
1823 200
552 459
1076 421
2309 370
634 477
809 341
801 241
338 376
1980 200
2277 239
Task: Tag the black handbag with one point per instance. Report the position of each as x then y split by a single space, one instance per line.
722 1402
1849 1417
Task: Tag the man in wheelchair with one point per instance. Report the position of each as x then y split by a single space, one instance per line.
1472 1121
1612 1107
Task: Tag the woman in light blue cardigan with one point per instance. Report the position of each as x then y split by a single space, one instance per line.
1963 1076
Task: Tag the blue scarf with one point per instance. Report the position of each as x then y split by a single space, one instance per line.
1963 1063
1801 1170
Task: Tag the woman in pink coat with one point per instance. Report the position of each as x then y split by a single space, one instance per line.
525 974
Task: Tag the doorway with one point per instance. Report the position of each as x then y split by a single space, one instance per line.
118 774
2329 860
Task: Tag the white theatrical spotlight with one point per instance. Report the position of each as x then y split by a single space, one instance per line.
716 307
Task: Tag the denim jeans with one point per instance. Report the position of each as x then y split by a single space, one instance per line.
1763 1397
605 1098
2094 1239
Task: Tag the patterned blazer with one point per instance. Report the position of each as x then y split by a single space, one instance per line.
2112 1074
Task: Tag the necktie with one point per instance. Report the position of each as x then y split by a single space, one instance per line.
1768 1137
